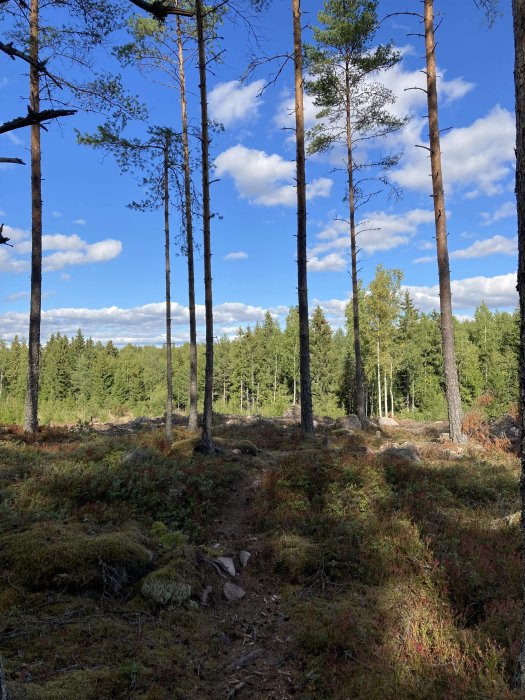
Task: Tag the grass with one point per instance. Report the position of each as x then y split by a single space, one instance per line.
398 580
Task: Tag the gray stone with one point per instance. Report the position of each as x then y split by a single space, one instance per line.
227 564
165 589
205 595
232 592
236 451
405 454
244 557
293 412
385 422
351 422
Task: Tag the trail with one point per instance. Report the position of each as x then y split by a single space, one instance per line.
256 659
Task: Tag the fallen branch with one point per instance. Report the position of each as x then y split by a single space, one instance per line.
33 118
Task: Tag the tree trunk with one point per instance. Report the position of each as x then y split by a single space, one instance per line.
241 395
359 378
445 298
193 417
518 11
391 391
385 393
307 419
169 371
379 402
33 368
206 445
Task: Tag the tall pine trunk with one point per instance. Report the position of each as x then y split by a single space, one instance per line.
206 444
518 11
359 377
193 417
307 419
169 371
33 369
445 297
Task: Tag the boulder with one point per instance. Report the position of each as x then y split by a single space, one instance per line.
293 412
396 454
244 557
385 422
232 592
226 564
351 422
164 587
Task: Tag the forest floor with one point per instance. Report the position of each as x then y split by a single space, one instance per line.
377 565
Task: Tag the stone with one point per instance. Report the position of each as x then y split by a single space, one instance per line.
227 564
205 595
244 558
236 451
394 454
385 422
444 437
164 588
351 422
293 412
232 592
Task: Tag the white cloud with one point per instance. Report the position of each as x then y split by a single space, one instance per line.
232 102
424 259
70 250
479 156
505 211
80 222
265 179
239 255
141 325
333 262
380 231
17 295
65 277
496 292
489 246
56 214
102 251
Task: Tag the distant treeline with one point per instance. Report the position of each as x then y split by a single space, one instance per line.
257 371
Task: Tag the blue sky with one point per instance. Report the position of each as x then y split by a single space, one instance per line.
103 263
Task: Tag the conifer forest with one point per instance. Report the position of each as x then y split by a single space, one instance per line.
262 350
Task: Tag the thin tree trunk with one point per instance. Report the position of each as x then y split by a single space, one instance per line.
193 417
169 371
518 12
307 419
241 395
391 391
294 375
359 378
275 380
206 445
445 297
379 402
33 368
385 393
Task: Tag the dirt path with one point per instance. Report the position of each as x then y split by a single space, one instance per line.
256 660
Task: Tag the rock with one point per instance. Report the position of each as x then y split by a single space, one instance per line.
293 412
513 520
136 455
351 422
244 557
205 595
385 422
227 564
444 437
343 431
232 592
395 454
164 588
236 451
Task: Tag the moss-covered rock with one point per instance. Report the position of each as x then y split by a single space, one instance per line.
165 587
52 555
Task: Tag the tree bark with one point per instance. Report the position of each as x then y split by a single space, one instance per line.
445 297
359 377
307 419
35 310
169 371
518 12
206 444
193 417
379 402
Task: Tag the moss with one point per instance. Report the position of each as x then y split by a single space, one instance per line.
184 448
293 555
50 555
166 586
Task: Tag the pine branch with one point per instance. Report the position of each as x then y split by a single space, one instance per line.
33 118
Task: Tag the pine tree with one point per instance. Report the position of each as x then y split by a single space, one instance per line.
353 110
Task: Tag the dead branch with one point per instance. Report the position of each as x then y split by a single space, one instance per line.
160 10
13 53
34 118
17 161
